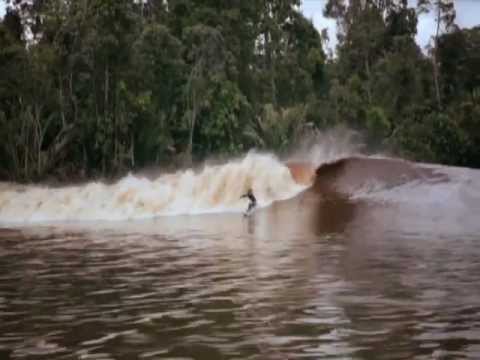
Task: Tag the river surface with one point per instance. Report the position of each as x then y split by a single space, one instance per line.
370 268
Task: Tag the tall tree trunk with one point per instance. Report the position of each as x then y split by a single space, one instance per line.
61 98
435 61
269 54
132 150
369 85
116 147
73 99
193 118
106 88
27 146
105 115
192 102
38 139
271 67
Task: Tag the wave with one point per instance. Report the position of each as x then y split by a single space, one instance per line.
359 175
212 189
217 188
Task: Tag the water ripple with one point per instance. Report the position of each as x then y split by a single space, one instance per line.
104 295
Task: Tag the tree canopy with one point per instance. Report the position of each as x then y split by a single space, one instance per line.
98 87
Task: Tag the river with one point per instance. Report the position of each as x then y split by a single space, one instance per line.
378 259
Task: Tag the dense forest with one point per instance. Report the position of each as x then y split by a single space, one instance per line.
98 87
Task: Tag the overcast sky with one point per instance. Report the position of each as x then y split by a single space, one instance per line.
468 15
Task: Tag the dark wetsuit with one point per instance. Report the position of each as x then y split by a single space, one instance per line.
253 201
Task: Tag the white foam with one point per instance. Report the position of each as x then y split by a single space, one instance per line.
213 189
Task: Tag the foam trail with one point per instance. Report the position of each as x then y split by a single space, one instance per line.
213 189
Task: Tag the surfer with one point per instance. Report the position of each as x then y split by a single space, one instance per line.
253 201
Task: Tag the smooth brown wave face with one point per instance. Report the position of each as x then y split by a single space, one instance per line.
349 175
386 194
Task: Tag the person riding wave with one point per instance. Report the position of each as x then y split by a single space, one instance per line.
253 201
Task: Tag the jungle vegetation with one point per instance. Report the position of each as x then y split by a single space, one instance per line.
98 87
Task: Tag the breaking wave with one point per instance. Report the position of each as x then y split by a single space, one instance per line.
327 166
212 189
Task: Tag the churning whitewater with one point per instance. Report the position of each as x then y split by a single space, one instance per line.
212 189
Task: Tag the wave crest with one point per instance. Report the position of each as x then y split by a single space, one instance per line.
212 189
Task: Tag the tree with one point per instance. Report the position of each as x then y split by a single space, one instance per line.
158 76
206 60
98 87
444 16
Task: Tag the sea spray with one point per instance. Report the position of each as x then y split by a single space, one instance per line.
320 147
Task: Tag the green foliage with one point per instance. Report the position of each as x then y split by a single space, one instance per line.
98 87
377 122
382 83
223 121
277 129
436 139
104 86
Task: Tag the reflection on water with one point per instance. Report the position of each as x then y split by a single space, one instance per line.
314 277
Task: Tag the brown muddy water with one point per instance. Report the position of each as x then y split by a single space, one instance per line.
379 259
